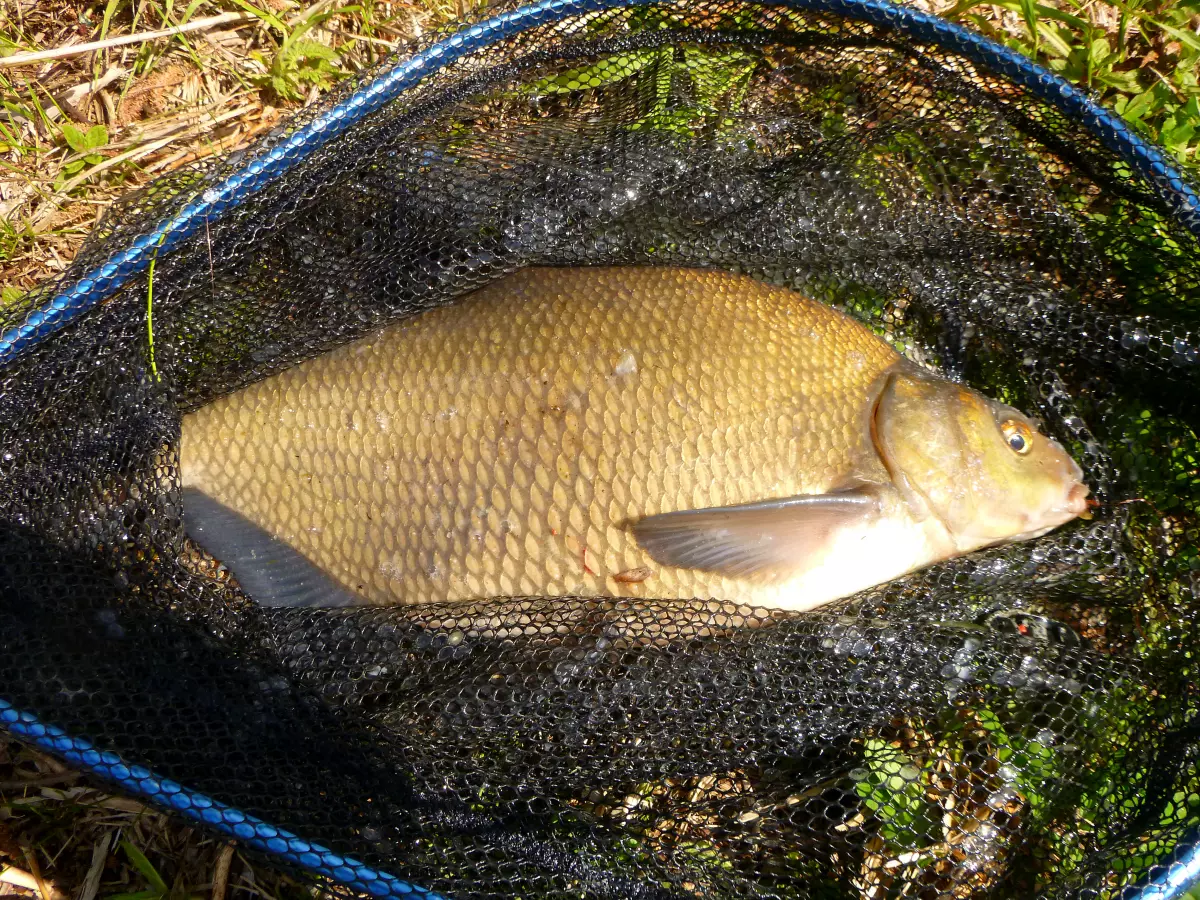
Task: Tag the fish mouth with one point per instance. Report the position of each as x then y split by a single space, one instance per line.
1074 506
1077 495
1077 501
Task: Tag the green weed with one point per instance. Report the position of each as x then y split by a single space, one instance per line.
84 145
298 62
1139 57
158 889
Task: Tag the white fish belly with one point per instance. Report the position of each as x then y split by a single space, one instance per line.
860 557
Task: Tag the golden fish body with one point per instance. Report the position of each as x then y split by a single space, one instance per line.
508 445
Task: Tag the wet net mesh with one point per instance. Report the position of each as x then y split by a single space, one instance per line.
1021 721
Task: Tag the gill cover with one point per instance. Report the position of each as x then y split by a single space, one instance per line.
955 454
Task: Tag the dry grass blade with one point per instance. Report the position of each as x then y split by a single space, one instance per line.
25 59
91 881
44 218
220 878
379 42
75 832
48 781
157 104
74 98
35 870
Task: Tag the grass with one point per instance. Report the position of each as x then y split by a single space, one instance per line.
61 837
1139 57
77 132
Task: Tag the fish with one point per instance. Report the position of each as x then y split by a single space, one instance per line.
659 432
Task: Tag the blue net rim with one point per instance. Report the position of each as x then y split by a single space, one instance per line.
1180 868
94 286
1175 874
248 830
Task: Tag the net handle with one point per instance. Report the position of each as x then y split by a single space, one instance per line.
101 282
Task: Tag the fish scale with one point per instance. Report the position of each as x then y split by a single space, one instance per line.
501 445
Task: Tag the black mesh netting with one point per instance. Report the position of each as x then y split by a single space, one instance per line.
938 737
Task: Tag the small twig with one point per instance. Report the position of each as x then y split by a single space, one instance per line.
35 870
1170 87
24 59
44 781
391 45
220 879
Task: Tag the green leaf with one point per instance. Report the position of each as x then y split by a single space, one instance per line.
283 88
610 70
1141 104
1041 11
318 73
1126 82
1177 138
1187 38
72 167
75 138
1053 37
962 7
716 74
110 10
1029 11
191 10
143 865
893 788
274 21
10 295
97 136
312 50
1049 12
18 110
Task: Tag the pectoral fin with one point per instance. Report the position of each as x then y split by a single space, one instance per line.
747 540
270 571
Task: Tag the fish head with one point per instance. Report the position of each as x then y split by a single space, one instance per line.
980 467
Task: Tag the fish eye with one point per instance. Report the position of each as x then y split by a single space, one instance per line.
1017 435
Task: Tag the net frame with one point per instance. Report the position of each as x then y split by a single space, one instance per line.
1175 874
